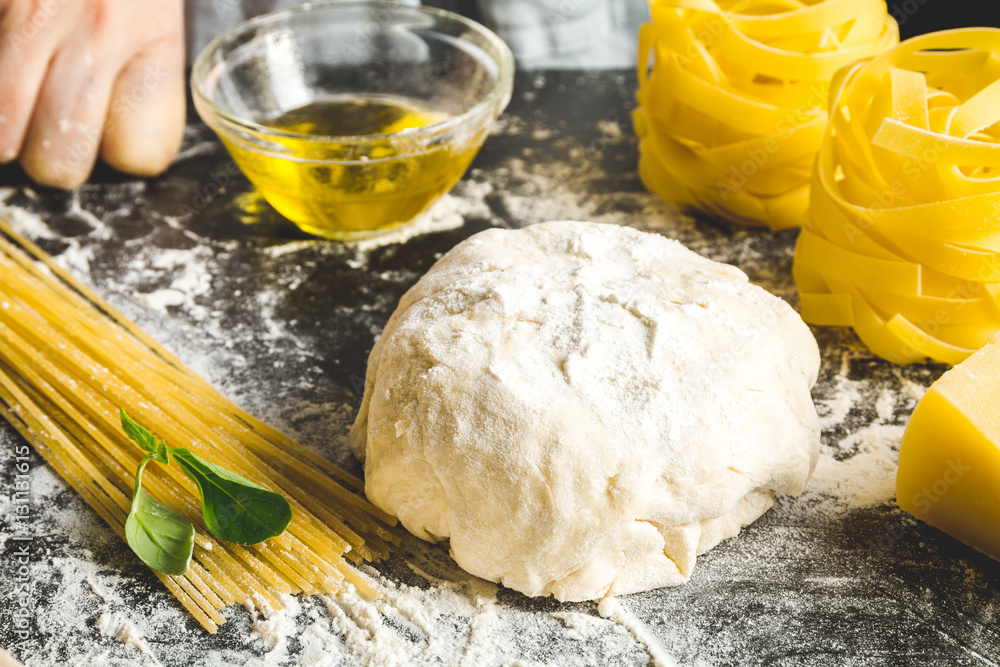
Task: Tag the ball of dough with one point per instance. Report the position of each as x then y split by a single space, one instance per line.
584 408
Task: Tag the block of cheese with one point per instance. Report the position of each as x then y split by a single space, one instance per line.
949 460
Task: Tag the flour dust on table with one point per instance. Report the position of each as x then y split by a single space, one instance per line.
284 323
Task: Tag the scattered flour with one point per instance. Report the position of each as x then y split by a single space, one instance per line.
429 612
866 479
189 278
118 626
457 620
96 587
578 624
845 395
274 627
446 213
885 406
76 209
610 129
911 390
27 223
613 609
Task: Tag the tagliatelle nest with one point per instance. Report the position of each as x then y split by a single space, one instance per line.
733 107
903 239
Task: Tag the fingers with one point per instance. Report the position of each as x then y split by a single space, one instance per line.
90 76
145 123
64 134
29 38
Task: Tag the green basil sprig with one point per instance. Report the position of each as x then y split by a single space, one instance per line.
235 509
162 538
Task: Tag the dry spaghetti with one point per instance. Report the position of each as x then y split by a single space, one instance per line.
733 109
68 361
903 239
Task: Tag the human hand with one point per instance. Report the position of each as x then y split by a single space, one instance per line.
82 77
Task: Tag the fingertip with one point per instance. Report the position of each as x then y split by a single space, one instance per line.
54 173
141 155
145 125
50 165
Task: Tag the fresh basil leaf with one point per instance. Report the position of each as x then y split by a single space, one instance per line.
161 538
235 509
138 434
162 453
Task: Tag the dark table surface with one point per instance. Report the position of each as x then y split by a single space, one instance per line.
284 323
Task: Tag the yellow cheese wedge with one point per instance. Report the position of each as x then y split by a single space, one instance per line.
949 460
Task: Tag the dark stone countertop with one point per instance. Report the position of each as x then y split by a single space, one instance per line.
284 323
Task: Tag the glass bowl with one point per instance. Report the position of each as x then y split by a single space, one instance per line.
351 119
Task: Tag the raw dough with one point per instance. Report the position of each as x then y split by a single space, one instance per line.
583 408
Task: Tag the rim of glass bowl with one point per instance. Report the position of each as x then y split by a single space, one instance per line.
501 90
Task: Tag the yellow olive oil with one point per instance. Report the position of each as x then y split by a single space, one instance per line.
351 116
332 184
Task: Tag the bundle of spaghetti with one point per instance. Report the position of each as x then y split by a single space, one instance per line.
68 362
733 97
903 239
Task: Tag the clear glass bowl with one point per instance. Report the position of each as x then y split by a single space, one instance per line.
455 73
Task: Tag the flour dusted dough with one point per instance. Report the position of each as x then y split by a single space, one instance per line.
583 409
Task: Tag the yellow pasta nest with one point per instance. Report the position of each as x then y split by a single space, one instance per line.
903 238
733 107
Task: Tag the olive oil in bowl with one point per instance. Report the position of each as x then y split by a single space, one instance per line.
352 167
351 118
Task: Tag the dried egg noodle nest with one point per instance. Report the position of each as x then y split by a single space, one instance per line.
732 112
584 408
903 240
